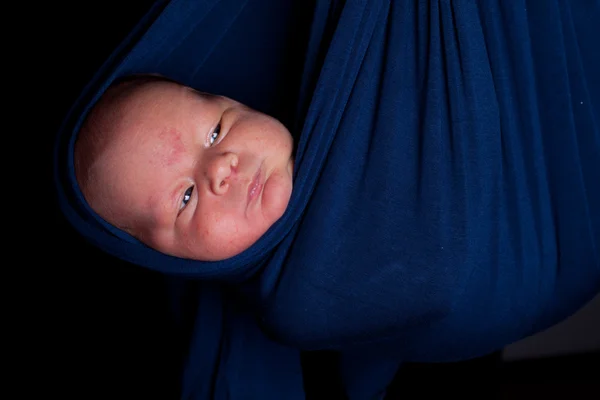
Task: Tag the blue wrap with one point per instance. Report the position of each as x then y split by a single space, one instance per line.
447 180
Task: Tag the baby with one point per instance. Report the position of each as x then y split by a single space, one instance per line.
190 174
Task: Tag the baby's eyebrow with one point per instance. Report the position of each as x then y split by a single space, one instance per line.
204 96
197 92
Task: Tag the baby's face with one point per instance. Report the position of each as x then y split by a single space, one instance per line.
192 175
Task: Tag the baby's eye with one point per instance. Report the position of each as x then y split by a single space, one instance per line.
215 134
186 197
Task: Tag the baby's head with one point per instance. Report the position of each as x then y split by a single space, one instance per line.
187 173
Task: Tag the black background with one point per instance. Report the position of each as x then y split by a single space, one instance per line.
91 324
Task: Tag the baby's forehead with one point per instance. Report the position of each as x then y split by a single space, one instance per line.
116 106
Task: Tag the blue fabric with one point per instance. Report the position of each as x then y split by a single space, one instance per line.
447 179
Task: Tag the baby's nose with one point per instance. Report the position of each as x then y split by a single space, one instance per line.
220 172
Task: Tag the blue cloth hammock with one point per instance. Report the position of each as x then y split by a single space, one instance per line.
447 180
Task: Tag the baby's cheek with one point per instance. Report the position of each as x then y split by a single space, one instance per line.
231 235
224 235
203 229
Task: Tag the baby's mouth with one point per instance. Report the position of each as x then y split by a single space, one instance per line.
255 187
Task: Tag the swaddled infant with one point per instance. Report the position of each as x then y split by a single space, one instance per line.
190 174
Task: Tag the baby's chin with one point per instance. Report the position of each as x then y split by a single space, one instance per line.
277 193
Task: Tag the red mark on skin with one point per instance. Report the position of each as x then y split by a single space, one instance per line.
170 148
